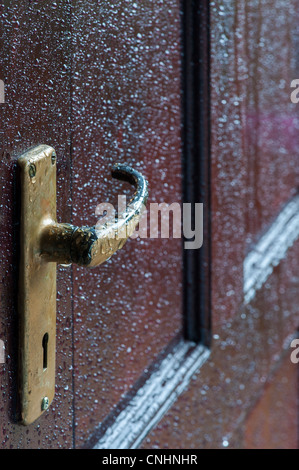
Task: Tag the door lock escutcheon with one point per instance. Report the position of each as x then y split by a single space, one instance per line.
43 243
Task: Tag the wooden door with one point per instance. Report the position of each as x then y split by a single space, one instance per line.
160 347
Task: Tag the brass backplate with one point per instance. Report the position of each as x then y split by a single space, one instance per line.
37 284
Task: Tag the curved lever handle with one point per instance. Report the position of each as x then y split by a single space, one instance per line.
91 246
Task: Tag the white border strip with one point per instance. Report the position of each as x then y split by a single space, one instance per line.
155 397
271 249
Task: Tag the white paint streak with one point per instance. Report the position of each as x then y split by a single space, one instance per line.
156 396
271 249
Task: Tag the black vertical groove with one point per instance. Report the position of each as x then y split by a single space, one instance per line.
196 165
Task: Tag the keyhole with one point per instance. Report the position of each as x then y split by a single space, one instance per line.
45 350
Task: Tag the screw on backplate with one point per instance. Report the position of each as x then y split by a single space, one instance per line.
45 403
53 158
32 170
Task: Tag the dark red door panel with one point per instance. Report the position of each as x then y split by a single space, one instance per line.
127 108
195 96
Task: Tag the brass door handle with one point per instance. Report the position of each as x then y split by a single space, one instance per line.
43 243
91 246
